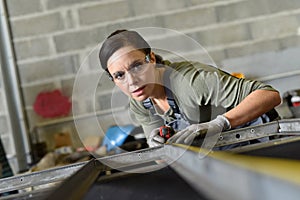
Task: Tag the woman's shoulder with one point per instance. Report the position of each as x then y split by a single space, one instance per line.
189 66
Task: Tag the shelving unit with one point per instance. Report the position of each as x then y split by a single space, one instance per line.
43 132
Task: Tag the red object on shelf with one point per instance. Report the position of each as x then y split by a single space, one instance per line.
296 104
52 104
295 101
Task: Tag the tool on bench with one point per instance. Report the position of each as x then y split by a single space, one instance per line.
166 132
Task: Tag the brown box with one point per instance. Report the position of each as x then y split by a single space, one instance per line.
62 139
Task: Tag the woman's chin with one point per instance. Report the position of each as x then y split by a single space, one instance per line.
139 98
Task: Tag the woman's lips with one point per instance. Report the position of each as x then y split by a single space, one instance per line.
139 91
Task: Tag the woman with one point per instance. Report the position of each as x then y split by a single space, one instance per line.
185 95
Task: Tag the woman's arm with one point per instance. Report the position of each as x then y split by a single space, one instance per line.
254 105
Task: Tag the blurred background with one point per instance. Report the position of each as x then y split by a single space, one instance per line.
44 43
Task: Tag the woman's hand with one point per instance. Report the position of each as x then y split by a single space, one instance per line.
155 139
211 128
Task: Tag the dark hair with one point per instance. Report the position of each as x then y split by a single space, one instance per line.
119 39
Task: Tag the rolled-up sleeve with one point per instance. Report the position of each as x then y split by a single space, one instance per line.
207 85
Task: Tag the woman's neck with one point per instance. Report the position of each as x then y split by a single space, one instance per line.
158 91
158 96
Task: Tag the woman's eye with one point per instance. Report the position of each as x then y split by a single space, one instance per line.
119 75
137 66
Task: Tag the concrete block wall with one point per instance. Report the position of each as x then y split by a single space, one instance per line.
53 37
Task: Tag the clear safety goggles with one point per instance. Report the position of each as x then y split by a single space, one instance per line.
136 68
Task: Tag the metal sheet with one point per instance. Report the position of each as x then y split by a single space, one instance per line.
287 148
246 134
38 178
288 127
224 176
61 173
79 183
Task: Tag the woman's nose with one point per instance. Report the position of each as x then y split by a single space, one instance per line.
131 79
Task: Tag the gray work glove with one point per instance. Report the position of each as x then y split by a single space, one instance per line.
155 139
211 128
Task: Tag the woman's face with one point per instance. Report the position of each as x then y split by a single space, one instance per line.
132 72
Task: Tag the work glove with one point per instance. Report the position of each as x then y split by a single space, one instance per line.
155 139
211 128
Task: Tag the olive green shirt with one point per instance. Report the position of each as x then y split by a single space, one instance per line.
202 92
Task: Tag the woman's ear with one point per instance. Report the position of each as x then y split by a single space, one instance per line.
152 57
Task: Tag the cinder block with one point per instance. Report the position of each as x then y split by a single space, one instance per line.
240 10
85 87
179 44
48 69
33 118
212 57
119 118
113 100
69 3
91 58
289 42
190 18
104 12
267 63
67 86
279 5
286 84
97 106
43 24
199 2
79 40
84 102
223 35
104 101
83 56
17 7
274 27
217 56
118 99
69 18
31 92
105 84
82 106
254 48
3 125
32 48
137 22
141 7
